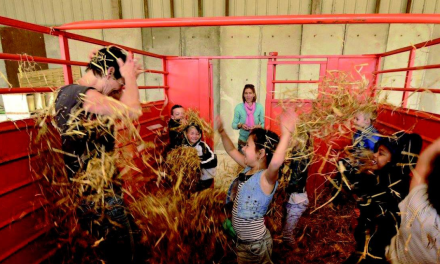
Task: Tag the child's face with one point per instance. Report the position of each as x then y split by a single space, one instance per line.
192 135
250 153
381 158
178 113
360 121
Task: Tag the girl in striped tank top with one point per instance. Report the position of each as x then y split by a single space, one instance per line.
252 191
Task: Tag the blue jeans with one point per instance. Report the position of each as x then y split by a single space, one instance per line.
295 208
258 251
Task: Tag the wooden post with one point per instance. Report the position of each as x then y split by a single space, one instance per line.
200 7
226 7
172 8
377 7
146 9
408 6
316 7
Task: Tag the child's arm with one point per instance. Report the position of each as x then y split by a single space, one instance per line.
425 164
227 143
209 159
288 124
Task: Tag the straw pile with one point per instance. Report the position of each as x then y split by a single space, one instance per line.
175 224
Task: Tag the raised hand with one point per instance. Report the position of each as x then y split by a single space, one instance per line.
129 68
288 123
219 124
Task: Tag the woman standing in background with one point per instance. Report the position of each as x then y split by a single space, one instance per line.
247 115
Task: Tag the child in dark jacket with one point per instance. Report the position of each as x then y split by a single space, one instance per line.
208 160
378 193
176 120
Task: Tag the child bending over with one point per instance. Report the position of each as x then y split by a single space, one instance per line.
208 160
252 191
297 173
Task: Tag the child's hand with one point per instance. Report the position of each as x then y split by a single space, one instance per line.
130 68
183 121
219 124
93 53
288 123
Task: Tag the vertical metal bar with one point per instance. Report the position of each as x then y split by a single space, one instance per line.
65 55
322 71
269 93
376 75
165 77
412 56
172 8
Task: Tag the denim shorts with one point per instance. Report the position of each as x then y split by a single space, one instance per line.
258 251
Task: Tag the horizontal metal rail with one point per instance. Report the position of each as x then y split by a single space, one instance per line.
417 68
55 32
296 62
19 90
415 90
155 71
257 20
296 81
409 48
271 57
24 57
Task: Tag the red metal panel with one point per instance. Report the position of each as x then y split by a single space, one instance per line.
14 174
190 80
20 233
256 20
395 119
15 205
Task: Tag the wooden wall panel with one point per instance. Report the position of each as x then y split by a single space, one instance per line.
17 41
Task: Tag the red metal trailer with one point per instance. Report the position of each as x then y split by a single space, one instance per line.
23 235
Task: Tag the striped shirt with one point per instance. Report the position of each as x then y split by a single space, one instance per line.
418 239
247 229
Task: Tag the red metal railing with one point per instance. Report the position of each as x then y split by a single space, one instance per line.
256 20
407 89
65 55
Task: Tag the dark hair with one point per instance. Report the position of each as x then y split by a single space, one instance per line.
106 58
433 183
252 87
175 107
196 126
265 139
403 142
